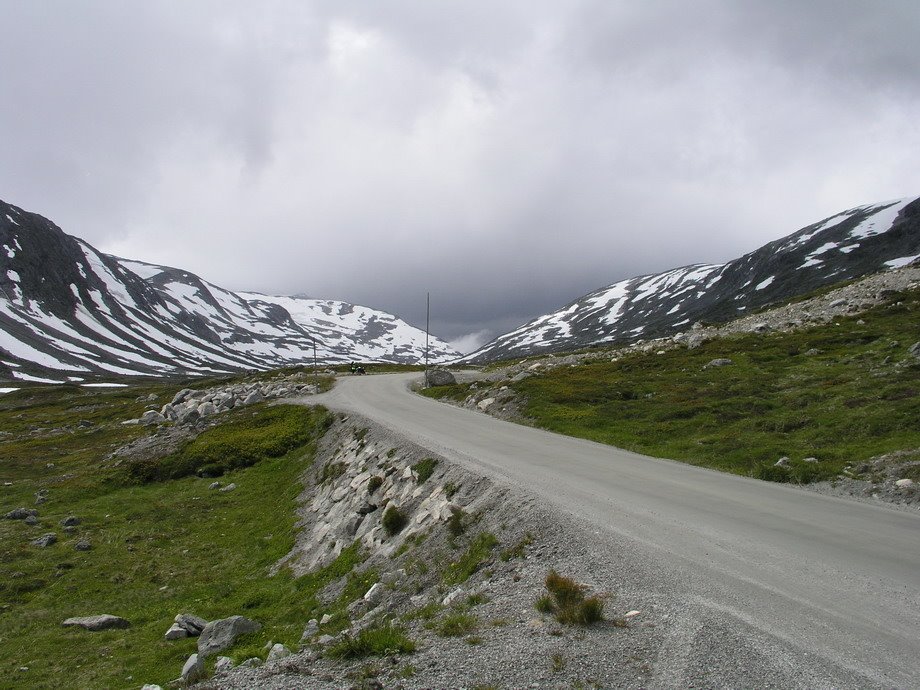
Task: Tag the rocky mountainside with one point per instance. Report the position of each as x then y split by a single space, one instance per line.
854 243
70 312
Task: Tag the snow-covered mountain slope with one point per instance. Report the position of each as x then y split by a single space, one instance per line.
854 243
69 312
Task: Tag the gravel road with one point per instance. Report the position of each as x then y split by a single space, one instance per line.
826 588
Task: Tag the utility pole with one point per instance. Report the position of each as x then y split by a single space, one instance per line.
427 324
315 371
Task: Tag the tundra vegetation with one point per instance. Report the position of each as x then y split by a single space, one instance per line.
839 393
161 541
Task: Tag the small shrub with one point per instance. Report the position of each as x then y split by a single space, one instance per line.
394 520
331 471
567 602
558 662
374 483
455 523
517 551
380 640
424 469
450 489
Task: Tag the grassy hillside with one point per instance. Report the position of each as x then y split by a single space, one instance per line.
160 546
840 393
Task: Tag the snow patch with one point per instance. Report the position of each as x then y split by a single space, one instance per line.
10 218
104 385
8 390
903 261
765 283
34 379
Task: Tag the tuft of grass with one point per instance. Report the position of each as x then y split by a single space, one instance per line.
423 469
455 523
385 639
450 489
517 551
374 483
566 600
476 555
557 662
394 520
457 625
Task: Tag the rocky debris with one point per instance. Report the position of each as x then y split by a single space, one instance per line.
191 623
83 545
193 670
452 597
21 513
718 362
45 540
887 478
70 521
310 631
103 621
440 377
221 634
189 406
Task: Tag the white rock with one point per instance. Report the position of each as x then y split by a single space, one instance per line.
485 403
632 614
904 483
325 619
452 597
374 594
176 632
230 487
278 651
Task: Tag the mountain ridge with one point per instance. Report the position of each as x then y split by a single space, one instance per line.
69 312
850 244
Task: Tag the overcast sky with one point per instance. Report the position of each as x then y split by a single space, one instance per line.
507 156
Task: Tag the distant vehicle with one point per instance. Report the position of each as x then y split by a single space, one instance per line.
357 369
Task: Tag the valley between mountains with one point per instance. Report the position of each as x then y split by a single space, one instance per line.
614 497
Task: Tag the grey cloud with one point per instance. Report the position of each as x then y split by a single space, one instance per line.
508 157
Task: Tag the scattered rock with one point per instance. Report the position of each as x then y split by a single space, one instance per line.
782 462
904 483
452 597
31 521
176 632
484 403
221 634
915 350
229 487
70 521
325 619
224 664
20 513
214 485
251 662
152 417
810 460
278 651
193 671
309 632
253 398
325 639
191 623
837 303
374 594
632 614
103 621
45 540
83 545
151 686
718 362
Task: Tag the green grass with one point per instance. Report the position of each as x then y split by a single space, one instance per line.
846 404
566 600
385 639
457 624
159 549
478 552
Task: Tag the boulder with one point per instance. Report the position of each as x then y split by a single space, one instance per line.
31 521
374 594
224 664
811 461
151 417
182 396
782 462
252 398
452 597
187 414
485 403
207 409
70 521
440 377
193 671
718 362
221 634
915 349
20 513
83 545
45 540
904 483
230 487
103 621
309 632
